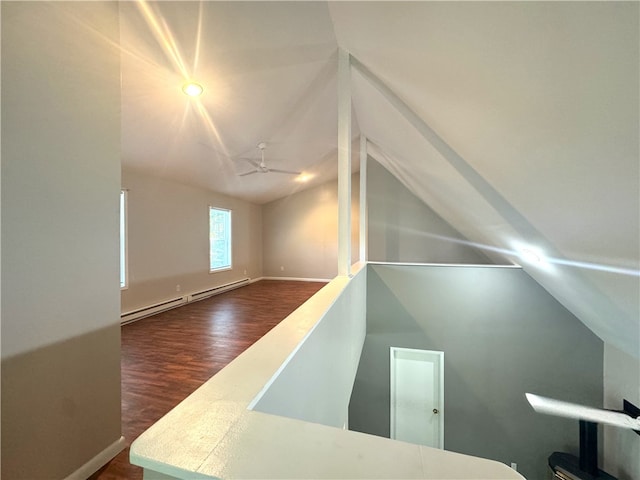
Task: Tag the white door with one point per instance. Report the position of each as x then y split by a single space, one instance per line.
417 396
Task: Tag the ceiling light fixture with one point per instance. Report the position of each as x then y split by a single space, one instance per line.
304 177
530 256
192 89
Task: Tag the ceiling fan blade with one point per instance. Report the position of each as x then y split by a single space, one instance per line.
284 171
248 173
252 161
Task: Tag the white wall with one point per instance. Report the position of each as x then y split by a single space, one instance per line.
300 232
621 381
315 383
168 239
60 190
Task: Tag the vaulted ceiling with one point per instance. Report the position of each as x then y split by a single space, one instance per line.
269 75
516 121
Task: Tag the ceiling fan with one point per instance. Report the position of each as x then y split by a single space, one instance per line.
261 167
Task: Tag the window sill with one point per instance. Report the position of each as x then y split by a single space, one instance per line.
217 270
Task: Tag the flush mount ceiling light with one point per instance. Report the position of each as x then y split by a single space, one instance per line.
192 89
304 177
530 256
533 257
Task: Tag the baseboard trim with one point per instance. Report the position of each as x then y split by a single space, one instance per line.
298 279
165 305
97 462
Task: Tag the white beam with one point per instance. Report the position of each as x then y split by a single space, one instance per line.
344 163
484 188
363 199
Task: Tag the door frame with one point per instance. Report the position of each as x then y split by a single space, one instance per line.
393 353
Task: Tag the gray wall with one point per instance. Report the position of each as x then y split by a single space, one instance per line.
168 239
60 190
402 228
502 335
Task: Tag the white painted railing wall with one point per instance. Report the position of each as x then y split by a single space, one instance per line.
303 368
315 382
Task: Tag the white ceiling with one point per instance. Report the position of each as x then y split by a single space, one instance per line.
269 73
538 101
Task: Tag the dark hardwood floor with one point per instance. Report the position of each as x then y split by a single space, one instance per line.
169 355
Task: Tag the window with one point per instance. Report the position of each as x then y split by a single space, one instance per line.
219 239
123 239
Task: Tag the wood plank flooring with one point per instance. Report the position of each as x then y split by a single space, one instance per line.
169 355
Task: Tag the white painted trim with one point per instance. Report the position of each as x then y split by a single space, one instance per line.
221 269
298 279
123 215
97 462
479 265
364 214
230 212
344 163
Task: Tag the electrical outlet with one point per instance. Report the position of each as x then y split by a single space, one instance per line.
514 465
281 268
177 288
245 271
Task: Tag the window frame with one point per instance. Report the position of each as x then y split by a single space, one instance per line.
124 240
228 240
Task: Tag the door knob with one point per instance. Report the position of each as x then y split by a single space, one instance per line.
435 410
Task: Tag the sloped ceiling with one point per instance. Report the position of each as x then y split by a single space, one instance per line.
536 103
269 73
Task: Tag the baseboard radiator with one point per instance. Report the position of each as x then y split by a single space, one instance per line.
151 310
194 297
144 312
